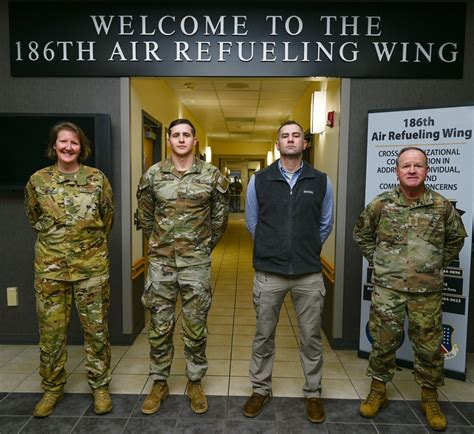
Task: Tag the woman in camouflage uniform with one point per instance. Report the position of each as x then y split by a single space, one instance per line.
70 206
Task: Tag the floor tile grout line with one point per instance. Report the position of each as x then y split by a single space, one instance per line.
213 293
239 231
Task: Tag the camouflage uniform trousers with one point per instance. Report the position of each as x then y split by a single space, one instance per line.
53 306
387 315
161 292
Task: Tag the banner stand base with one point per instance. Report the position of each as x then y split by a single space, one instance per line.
409 365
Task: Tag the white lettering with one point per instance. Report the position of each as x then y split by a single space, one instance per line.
273 19
404 52
224 50
241 56
373 23
195 25
299 27
181 48
117 51
160 25
346 25
383 51
144 32
240 22
151 47
65 45
203 48
327 53
305 51
102 25
425 53
354 52
126 21
286 51
328 19
133 58
89 50
454 54
268 48
209 26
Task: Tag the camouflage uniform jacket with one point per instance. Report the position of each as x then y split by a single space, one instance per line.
72 215
183 216
408 244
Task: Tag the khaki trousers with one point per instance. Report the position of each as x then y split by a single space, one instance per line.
307 293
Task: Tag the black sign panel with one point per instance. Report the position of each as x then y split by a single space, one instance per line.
455 305
317 39
367 296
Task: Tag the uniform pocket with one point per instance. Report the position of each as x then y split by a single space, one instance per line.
431 228
389 227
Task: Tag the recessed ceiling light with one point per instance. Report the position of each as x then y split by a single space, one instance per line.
237 85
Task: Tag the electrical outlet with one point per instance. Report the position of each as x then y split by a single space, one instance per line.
12 296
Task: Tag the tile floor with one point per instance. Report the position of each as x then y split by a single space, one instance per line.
231 329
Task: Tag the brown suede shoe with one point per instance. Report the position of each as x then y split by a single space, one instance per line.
158 393
315 410
197 396
254 405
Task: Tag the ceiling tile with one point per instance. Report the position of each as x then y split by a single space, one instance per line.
250 109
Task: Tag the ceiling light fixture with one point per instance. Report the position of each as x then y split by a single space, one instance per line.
318 112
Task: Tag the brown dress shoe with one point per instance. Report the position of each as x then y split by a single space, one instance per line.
315 410
158 393
197 396
254 406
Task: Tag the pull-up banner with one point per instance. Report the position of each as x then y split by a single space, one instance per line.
423 40
446 135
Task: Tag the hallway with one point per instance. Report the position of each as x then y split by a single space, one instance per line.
231 330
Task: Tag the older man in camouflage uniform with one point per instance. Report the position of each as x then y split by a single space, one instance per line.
71 207
183 210
408 235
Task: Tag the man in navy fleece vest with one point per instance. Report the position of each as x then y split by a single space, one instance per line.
289 213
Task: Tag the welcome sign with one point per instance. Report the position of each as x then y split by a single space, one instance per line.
321 39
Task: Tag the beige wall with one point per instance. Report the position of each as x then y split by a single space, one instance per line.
157 99
326 148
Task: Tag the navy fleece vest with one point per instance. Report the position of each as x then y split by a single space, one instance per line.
287 237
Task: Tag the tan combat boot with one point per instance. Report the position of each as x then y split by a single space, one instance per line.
431 409
102 401
198 399
376 399
158 393
47 403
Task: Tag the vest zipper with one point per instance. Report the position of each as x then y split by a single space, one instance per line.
289 231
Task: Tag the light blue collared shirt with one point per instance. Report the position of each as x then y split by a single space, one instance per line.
327 206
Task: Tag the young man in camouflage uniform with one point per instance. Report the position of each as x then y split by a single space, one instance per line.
71 207
408 235
183 208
